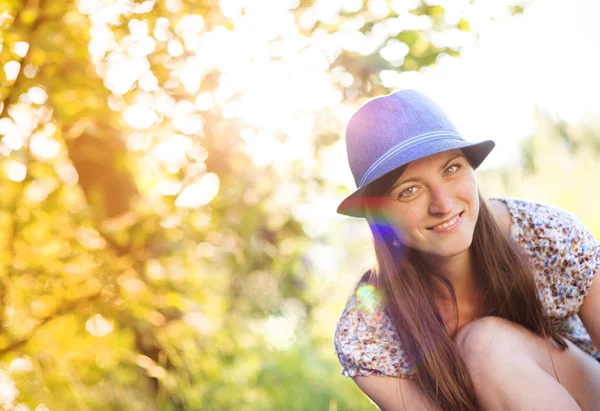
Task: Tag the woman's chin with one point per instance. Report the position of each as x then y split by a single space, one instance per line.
448 250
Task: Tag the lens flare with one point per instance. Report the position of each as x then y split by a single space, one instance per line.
368 299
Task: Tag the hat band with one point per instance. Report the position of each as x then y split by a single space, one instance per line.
406 144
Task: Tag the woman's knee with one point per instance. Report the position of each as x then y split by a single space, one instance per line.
488 341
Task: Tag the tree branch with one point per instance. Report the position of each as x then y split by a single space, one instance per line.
15 87
66 308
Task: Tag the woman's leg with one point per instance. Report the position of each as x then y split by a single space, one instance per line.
512 369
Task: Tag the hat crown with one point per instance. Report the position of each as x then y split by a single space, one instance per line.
391 123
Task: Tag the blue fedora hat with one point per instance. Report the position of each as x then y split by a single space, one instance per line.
390 131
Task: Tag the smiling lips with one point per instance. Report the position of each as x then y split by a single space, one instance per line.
448 224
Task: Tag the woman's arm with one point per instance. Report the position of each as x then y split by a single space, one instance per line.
395 394
590 310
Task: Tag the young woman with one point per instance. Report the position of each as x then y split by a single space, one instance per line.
471 304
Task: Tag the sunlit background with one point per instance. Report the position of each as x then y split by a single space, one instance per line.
170 172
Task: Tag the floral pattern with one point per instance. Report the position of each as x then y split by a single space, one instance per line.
564 256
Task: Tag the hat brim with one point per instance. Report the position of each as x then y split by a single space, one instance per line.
354 204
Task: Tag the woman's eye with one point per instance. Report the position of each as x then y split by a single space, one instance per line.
408 192
453 169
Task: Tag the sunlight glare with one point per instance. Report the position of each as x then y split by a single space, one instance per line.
173 150
138 28
90 238
98 326
187 120
30 70
168 186
15 171
324 261
202 323
191 74
39 189
37 95
231 8
20 365
189 28
174 48
351 6
204 101
140 117
123 72
148 82
20 48
262 147
13 137
161 29
174 6
279 333
8 391
199 193
67 173
11 70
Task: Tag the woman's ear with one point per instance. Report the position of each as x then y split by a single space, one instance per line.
389 235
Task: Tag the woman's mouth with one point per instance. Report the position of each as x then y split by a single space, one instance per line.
448 225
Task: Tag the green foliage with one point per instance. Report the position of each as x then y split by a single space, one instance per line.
558 166
114 293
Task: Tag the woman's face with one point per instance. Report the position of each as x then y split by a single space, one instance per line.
434 204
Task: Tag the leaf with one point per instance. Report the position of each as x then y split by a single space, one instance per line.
463 25
516 9
435 12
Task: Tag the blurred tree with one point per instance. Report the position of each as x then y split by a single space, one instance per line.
558 166
126 281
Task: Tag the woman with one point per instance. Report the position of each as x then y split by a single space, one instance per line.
471 305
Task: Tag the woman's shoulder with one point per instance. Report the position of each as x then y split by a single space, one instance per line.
365 341
563 253
534 221
363 307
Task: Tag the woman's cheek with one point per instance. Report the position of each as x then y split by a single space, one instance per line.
406 227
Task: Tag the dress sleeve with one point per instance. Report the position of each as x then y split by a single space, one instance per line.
575 268
562 252
366 343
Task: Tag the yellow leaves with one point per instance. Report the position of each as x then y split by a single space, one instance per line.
43 306
50 248
415 41
157 319
90 238
435 12
131 285
175 300
463 25
28 16
4 341
151 367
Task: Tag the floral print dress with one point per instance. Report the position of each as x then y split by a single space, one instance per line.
564 257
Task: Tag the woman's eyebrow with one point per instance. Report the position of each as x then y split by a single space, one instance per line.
447 163
399 183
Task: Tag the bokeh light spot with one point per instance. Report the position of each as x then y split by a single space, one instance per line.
199 193
98 326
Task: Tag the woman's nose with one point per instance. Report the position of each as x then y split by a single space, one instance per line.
441 201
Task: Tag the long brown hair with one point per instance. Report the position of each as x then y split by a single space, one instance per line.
404 280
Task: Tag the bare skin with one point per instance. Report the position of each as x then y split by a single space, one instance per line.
512 368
